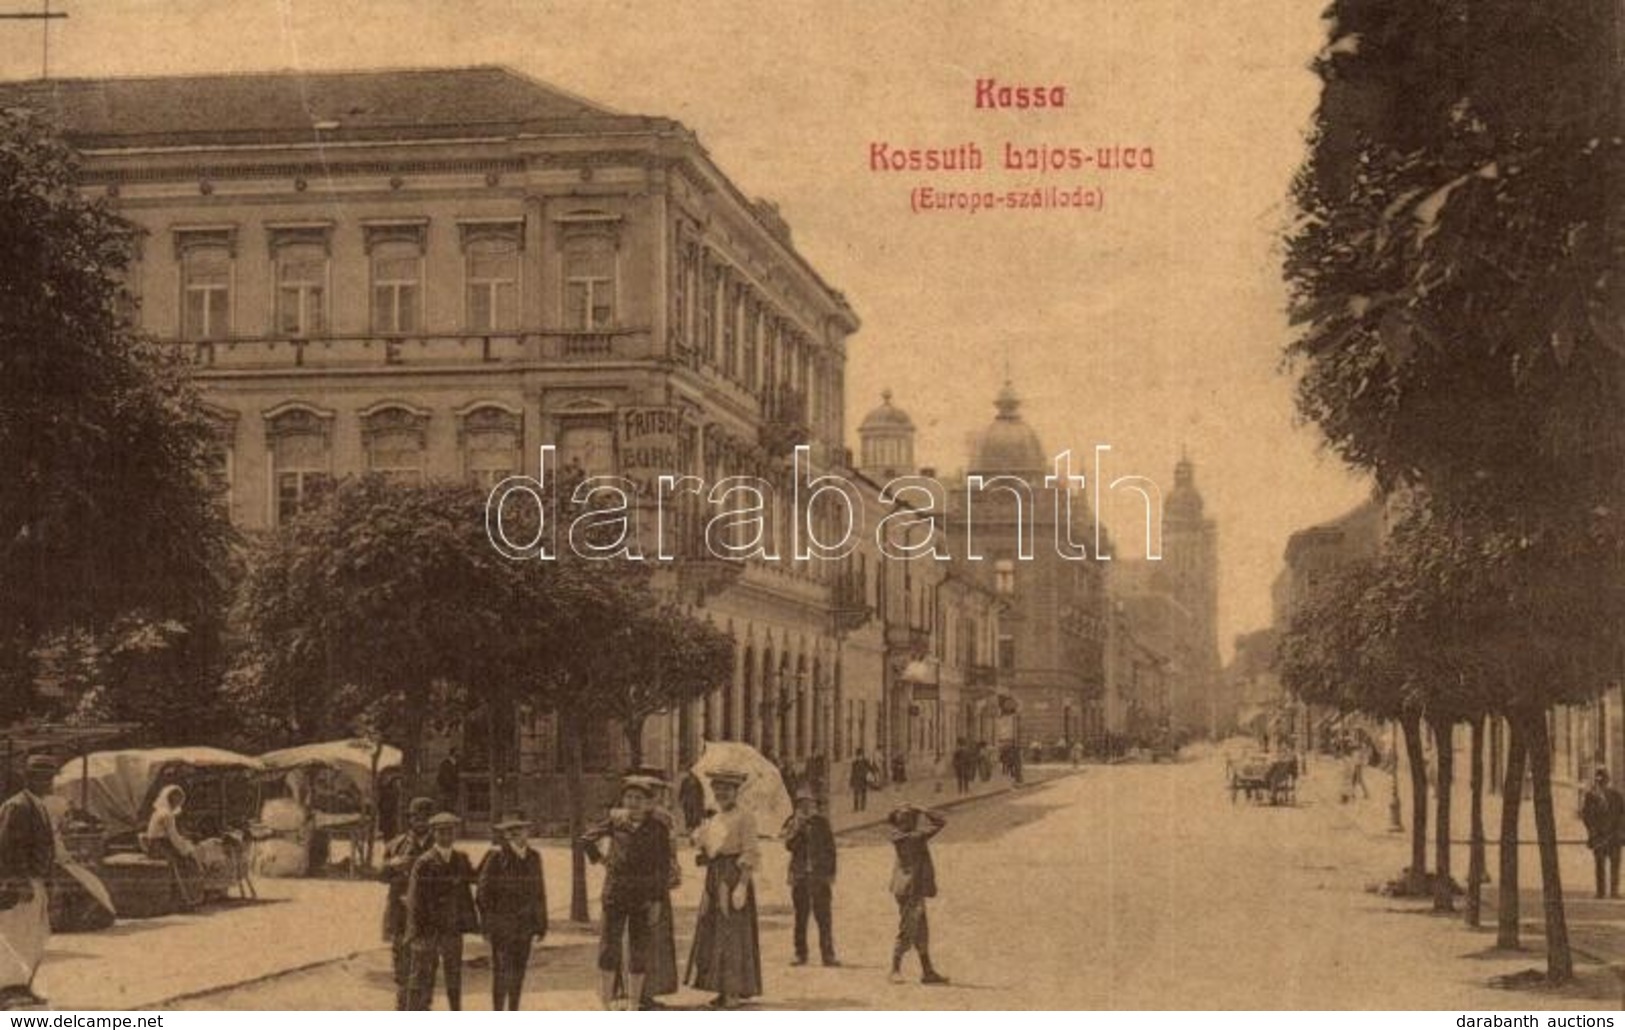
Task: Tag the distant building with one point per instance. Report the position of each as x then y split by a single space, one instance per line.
1052 638
1179 595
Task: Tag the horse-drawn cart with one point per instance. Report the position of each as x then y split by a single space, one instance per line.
1265 777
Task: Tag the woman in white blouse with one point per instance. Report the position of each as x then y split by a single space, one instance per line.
727 954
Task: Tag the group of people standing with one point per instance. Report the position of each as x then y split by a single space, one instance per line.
637 954
436 896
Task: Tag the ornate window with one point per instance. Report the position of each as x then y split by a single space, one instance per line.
589 282
490 437
206 257
395 437
491 274
1004 576
300 255
395 250
300 440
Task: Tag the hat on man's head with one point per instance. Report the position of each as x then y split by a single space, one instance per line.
645 785
513 821
420 806
42 765
730 777
807 794
1601 774
443 819
902 814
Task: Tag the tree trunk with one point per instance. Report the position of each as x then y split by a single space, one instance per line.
1507 914
1475 846
1444 740
1559 960
576 789
1416 875
633 729
495 757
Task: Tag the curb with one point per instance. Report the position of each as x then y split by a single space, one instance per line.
274 974
957 800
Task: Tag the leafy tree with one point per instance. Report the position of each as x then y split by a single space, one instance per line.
105 509
1456 269
355 611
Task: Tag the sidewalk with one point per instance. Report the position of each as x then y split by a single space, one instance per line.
1596 926
297 924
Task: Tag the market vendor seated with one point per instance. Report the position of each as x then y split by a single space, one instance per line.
195 864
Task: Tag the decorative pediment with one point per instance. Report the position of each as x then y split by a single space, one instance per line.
414 231
195 237
293 418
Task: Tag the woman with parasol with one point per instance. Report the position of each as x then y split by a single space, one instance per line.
727 955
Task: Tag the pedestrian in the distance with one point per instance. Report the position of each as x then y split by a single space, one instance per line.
512 898
914 880
811 842
400 855
439 910
448 779
691 799
1603 812
858 776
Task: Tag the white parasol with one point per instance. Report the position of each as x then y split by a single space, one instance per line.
763 794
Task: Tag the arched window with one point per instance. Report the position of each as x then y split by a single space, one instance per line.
394 438
301 460
490 442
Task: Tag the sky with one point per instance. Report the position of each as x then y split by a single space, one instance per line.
1154 324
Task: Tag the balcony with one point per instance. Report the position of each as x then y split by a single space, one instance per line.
908 638
785 421
245 353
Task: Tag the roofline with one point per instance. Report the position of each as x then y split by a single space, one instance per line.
248 73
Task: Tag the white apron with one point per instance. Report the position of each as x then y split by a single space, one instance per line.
24 929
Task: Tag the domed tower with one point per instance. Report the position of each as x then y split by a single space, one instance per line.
886 438
1008 446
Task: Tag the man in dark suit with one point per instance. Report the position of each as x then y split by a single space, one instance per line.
513 909
400 855
914 879
1603 812
858 777
811 842
27 855
439 910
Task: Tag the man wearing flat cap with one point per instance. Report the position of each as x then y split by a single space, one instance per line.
513 909
27 853
439 910
400 855
637 874
811 842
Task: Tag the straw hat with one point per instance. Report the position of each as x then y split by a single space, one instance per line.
444 819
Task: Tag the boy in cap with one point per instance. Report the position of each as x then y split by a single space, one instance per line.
637 873
399 856
811 842
439 910
27 854
513 909
914 879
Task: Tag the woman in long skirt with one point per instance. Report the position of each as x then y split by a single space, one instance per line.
727 953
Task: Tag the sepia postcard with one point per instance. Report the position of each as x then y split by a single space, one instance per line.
1027 505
